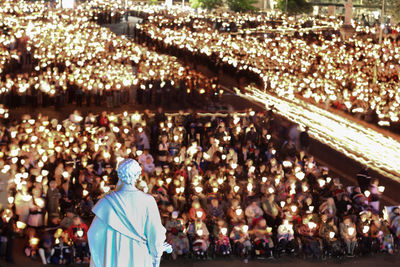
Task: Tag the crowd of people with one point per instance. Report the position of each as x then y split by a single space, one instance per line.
304 58
224 183
43 63
54 56
236 183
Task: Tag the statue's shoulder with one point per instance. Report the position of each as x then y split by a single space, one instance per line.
145 195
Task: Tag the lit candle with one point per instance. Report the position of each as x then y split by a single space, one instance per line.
331 234
351 230
79 233
239 212
21 225
199 214
293 208
224 230
34 241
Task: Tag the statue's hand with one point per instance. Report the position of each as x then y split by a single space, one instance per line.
167 247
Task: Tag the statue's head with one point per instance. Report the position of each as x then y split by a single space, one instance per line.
129 171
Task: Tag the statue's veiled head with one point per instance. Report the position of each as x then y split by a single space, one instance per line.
129 171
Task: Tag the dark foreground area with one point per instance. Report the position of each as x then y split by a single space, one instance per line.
365 261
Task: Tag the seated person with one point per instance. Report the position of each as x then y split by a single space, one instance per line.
395 222
330 234
61 252
222 243
253 213
44 248
78 234
67 221
199 236
215 210
196 212
241 240
308 235
262 237
349 234
235 213
286 236
176 236
381 233
364 233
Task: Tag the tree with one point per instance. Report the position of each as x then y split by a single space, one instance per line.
207 4
295 6
242 5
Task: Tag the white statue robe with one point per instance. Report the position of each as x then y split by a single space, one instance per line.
127 230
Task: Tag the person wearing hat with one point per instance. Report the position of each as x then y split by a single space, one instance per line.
127 229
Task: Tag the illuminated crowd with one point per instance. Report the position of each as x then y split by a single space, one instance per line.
303 58
54 56
236 183
225 184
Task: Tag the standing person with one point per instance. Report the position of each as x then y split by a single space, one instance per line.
364 179
52 200
375 195
305 140
127 229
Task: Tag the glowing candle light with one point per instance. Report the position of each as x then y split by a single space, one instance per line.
34 241
224 230
351 230
79 233
199 214
20 225
293 208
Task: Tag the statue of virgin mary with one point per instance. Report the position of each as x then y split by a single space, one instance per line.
127 229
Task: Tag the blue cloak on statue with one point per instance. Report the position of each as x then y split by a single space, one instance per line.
127 230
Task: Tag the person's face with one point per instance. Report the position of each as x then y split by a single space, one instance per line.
77 221
53 184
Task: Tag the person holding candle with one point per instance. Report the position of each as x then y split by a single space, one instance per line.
241 240
199 237
285 237
375 195
349 235
178 238
78 234
381 235
308 233
262 237
61 252
330 235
